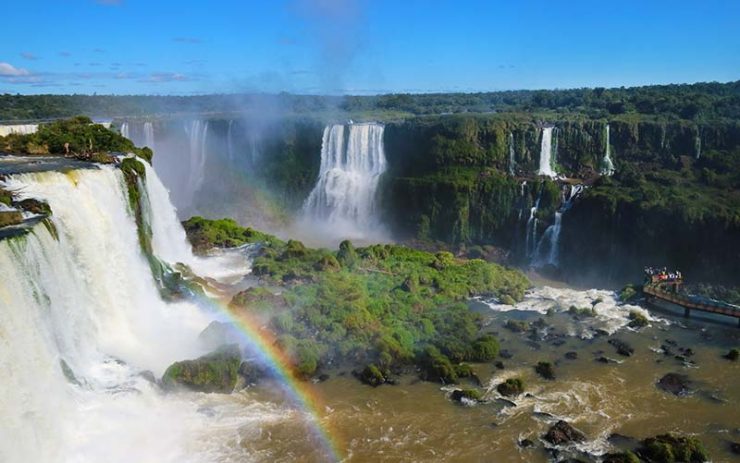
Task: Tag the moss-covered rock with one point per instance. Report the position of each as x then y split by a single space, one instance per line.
511 387
215 372
470 395
372 376
732 355
670 448
637 319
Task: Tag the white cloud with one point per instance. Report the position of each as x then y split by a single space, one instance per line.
8 70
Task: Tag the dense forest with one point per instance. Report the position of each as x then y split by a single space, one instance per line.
701 101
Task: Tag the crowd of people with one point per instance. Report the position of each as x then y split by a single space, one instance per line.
662 275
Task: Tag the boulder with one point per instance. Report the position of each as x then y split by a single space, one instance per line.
675 383
622 347
462 395
371 375
561 433
215 372
511 387
545 369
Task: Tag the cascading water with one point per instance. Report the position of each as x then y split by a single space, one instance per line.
548 249
198 132
607 166
169 241
512 157
546 154
125 131
531 229
20 129
352 161
149 135
697 145
81 318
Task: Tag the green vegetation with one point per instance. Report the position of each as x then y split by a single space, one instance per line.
224 233
385 305
637 319
511 387
459 395
703 100
215 372
624 457
669 448
627 293
77 136
733 355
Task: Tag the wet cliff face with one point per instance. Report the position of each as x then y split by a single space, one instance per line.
673 200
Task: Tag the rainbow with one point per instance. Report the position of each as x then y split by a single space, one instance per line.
264 344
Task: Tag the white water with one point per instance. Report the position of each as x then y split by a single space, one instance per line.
125 131
89 299
607 166
198 132
530 232
609 315
20 129
697 146
149 135
344 200
548 249
546 154
170 243
512 159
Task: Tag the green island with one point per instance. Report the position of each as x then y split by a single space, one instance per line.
378 308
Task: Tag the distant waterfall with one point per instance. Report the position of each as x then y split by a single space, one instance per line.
20 129
125 130
546 154
512 160
352 161
697 145
531 229
607 166
149 135
548 249
198 132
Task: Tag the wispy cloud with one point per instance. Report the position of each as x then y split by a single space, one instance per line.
191 40
99 50
8 70
29 56
165 77
109 2
65 54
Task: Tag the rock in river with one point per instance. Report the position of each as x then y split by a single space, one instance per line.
561 433
675 384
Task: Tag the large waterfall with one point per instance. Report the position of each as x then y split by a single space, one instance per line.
345 196
20 129
546 154
82 319
607 166
149 135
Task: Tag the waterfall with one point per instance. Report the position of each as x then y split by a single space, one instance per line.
546 154
125 130
81 318
548 249
149 135
697 145
607 166
352 161
20 129
512 160
198 132
531 229
169 241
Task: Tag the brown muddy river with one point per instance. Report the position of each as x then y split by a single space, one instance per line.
416 421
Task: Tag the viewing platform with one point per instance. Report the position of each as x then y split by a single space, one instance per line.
667 287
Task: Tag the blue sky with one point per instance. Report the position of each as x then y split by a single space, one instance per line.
362 46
